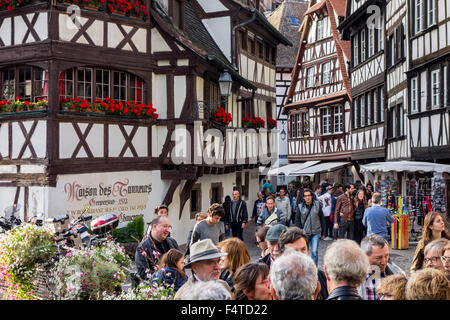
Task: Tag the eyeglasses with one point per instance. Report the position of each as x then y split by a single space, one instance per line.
265 282
432 259
211 262
165 226
445 259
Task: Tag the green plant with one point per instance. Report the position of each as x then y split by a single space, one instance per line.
90 273
153 291
22 250
134 229
296 184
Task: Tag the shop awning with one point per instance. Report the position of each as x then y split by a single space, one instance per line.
289 168
318 168
400 166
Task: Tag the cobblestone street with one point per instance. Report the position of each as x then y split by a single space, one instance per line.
402 258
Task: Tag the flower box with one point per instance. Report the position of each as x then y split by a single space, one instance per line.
18 106
253 122
221 117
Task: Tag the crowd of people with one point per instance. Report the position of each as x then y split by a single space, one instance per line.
290 224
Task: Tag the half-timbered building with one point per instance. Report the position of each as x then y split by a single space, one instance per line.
364 28
170 53
286 18
428 80
319 98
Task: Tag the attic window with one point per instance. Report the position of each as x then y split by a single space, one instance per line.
294 21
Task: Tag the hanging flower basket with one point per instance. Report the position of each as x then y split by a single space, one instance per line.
221 117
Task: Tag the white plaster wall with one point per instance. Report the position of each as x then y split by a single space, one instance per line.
159 94
5 31
159 134
212 5
158 42
179 94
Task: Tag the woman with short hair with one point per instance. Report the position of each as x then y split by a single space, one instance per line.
251 282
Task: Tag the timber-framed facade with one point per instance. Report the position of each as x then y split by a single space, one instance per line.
169 59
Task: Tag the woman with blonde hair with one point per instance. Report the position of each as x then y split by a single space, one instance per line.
392 287
433 228
238 255
428 284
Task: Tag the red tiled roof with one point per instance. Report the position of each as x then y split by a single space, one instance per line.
315 7
340 6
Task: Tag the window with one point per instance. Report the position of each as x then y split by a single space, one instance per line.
177 13
431 12
363 110
414 97
338 124
84 83
8 85
369 109
40 88
326 72
381 104
274 55
267 52
305 124
293 132
299 126
24 84
435 92
196 200
354 113
400 120
243 37
363 44
380 39
418 16
319 30
393 127
326 120
101 84
294 21
371 40
260 49
251 44
66 84
31 83
136 89
216 192
119 86
310 78
355 50
375 106
391 51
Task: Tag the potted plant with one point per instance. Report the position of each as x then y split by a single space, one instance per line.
253 122
222 117
271 123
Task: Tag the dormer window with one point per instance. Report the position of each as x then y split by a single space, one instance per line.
176 12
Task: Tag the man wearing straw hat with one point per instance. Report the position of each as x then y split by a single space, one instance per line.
204 263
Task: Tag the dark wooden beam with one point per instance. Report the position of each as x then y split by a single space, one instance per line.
169 195
185 195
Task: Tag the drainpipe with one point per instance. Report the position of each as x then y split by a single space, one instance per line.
233 36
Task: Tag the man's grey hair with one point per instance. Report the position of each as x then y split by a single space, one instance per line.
436 246
207 290
294 276
376 198
346 262
373 240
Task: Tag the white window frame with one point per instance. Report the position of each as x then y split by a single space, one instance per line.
326 72
371 40
355 50
381 104
418 16
375 106
362 105
338 119
319 35
355 111
326 120
102 84
394 122
363 45
431 12
85 83
369 111
400 115
435 89
310 77
299 127
414 95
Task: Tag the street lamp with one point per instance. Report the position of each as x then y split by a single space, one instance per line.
225 83
283 132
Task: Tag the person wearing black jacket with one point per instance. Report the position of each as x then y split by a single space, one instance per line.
226 219
258 206
151 249
239 215
345 266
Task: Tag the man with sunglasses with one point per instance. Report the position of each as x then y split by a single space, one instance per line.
150 250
